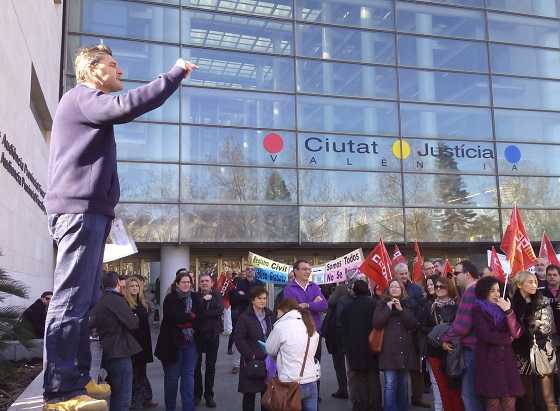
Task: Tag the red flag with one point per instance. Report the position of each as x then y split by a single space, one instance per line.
496 266
398 257
377 266
417 272
547 250
447 269
516 244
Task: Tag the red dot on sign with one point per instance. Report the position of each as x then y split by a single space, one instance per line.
273 143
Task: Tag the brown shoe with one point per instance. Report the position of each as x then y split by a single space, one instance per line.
421 404
150 404
235 370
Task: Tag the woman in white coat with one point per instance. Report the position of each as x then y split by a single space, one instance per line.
293 334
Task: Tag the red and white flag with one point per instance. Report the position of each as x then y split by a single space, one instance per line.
496 266
547 250
398 257
377 266
417 272
447 269
516 244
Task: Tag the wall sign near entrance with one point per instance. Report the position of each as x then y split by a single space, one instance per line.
21 173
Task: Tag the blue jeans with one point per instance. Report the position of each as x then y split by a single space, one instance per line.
183 369
120 378
77 287
471 401
395 395
309 396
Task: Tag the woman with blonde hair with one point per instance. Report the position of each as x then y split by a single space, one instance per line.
535 315
141 388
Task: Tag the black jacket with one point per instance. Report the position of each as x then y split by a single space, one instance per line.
210 322
357 323
329 330
143 335
115 321
246 334
34 317
170 335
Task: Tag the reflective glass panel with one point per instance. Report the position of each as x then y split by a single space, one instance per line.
419 120
529 159
236 32
146 141
347 152
529 191
239 223
526 93
452 190
465 3
218 68
546 8
452 225
536 222
125 19
346 79
527 125
523 30
427 52
440 21
151 223
214 145
149 182
345 115
450 156
168 111
138 60
345 44
237 108
525 61
350 224
444 87
361 13
320 187
271 8
237 185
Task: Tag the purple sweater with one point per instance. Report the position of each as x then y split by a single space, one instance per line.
82 171
462 326
295 291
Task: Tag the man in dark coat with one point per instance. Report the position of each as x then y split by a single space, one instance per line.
362 364
209 327
333 338
114 321
33 318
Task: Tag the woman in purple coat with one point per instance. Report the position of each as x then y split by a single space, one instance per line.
495 326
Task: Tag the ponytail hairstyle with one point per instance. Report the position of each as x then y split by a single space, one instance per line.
290 304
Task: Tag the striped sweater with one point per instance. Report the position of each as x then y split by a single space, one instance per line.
462 328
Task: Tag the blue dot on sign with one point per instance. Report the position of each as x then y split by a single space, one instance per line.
512 154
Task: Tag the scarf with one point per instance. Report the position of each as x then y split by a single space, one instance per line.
188 333
493 310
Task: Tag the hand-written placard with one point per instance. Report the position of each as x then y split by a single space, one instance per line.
119 243
337 270
269 271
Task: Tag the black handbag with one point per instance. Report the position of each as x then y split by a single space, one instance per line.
255 370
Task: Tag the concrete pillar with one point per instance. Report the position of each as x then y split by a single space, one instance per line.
173 257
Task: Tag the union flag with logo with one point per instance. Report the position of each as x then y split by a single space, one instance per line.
516 244
547 250
496 266
398 257
377 266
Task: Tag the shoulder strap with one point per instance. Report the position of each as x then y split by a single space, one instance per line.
305 357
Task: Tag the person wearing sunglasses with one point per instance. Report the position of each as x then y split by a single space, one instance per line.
442 311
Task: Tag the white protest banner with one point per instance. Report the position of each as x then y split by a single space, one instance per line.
343 267
119 242
269 271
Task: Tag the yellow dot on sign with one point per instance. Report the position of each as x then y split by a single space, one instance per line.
401 149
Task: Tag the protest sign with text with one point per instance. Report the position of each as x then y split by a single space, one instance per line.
269 271
337 270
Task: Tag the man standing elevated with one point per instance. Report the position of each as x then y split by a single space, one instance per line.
83 190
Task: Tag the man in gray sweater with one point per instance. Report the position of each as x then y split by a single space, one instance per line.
83 190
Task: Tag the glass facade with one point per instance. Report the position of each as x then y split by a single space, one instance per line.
336 121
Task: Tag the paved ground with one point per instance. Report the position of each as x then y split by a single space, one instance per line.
226 394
